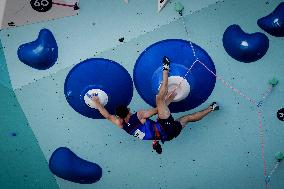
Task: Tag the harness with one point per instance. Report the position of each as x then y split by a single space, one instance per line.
157 134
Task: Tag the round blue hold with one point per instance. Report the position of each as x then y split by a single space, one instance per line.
199 81
274 22
98 77
244 47
67 165
40 54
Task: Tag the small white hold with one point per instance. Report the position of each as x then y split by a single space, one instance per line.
180 86
244 43
103 97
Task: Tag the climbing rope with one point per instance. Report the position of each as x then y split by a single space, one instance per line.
261 133
251 100
267 180
194 55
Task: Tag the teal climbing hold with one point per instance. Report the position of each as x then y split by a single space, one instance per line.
279 156
179 7
274 81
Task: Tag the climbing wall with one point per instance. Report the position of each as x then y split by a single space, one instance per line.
18 13
221 151
18 142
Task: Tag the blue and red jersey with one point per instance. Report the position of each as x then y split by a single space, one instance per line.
146 131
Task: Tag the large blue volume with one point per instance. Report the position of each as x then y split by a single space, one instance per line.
148 72
244 47
40 54
98 73
274 22
67 165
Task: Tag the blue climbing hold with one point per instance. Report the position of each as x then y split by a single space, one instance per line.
67 165
274 22
103 78
192 88
244 47
40 54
